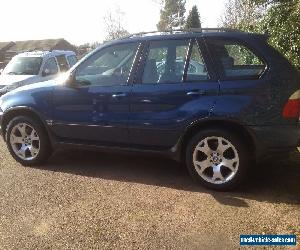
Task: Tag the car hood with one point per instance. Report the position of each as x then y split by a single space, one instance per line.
26 95
30 95
38 85
11 79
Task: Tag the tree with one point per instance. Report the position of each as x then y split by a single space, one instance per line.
193 19
278 18
171 15
113 25
267 2
242 14
282 23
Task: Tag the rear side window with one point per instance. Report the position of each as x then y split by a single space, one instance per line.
62 62
165 61
235 60
196 69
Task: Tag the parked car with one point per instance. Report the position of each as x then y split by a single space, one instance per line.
36 66
219 121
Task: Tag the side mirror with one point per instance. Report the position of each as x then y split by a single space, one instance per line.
75 83
1 70
46 72
70 80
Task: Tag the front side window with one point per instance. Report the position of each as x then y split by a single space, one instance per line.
235 60
109 66
62 62
23 66
165 61
50 67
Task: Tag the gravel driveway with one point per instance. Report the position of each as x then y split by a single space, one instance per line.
83 200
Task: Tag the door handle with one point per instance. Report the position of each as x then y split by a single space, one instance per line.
146 101
196 92
118 95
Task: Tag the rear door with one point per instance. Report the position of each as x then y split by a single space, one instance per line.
245 87
174 87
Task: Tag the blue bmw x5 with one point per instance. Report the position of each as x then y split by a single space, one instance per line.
216 100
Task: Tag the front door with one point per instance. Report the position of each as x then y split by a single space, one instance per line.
173 88
97 109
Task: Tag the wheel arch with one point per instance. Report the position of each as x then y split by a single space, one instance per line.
229 125
9 114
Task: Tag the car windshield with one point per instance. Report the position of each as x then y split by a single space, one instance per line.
23 66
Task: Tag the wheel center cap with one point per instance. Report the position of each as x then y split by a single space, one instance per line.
27 141
215 159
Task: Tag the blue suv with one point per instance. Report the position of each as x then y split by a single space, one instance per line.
217 101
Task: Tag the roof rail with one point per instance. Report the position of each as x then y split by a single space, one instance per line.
176 31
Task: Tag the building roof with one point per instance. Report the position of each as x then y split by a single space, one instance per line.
47 44
30 45
6 45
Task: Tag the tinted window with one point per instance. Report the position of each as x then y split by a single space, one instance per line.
196 70
109 66
165 61
72 60
235 60
50 67
62 62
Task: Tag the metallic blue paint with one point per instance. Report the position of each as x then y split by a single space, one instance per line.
160 113
91 113
156 117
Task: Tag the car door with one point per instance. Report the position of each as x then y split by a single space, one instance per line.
96 109
72 60
49 69
62 62
245 94
174 87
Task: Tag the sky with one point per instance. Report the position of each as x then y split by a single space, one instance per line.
81 21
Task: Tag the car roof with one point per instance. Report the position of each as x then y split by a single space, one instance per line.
45 54
139 37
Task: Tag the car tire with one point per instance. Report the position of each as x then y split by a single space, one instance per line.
217 159
27 141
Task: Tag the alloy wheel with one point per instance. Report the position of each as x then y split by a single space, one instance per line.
216 160
24 141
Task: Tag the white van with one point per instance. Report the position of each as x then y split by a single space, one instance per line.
36 66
